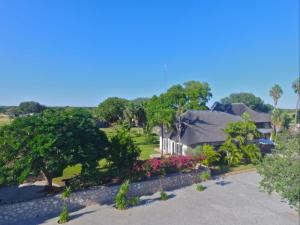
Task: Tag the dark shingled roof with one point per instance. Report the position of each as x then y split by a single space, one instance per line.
240 108
203 127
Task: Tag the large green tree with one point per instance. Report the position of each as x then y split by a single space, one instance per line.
159 113
276 92
248 99
134 114
111 110
198 94
49 142
280 170
296 87
164 109
31 107
123 152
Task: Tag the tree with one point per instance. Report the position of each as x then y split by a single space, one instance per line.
134 114
248 99
198 94
233 155
296 87
159 113
123 152
276 93
286 120
242 131
280 169
49 142
238 144
111 110
276 120
31 107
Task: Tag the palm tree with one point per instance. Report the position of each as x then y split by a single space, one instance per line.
296 87
276 120
276 93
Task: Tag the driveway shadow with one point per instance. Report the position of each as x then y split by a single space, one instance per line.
148 201
223 182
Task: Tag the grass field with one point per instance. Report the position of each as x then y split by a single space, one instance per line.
141 140
4 119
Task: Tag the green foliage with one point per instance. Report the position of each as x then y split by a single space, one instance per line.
66 193
163 195
276 93
248 99
251 153
286 121
242 131
134 201
123 152
159 113
280 120
31 107
48 143
198 94
121 198
64 215
205 175
134 114
296 86
280 169
111 110
210 154
233 155
200 187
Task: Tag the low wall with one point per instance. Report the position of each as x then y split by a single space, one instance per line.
48 206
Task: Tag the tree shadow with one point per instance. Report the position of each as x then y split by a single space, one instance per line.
223 182
15 194
75 216
152 200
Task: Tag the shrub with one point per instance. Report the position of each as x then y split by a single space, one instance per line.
251 153
280 169
233 155
200 187
134 201
204 176
209 154
159 167
121 199
64 215
123 152
163 195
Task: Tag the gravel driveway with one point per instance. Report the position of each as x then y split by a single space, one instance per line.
234 200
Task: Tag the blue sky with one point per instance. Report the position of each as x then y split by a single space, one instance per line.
81 52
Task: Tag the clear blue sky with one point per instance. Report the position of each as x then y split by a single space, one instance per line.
81 52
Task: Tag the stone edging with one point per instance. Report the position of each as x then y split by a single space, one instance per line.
51 206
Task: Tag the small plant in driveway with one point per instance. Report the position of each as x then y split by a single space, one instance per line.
200 187
163 195
204 176
121 200
134 201
64 215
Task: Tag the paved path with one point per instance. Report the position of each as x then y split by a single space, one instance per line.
234 200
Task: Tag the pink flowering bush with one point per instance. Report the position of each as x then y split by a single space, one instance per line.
160 167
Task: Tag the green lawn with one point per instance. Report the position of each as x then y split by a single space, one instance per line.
139 138
147 148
